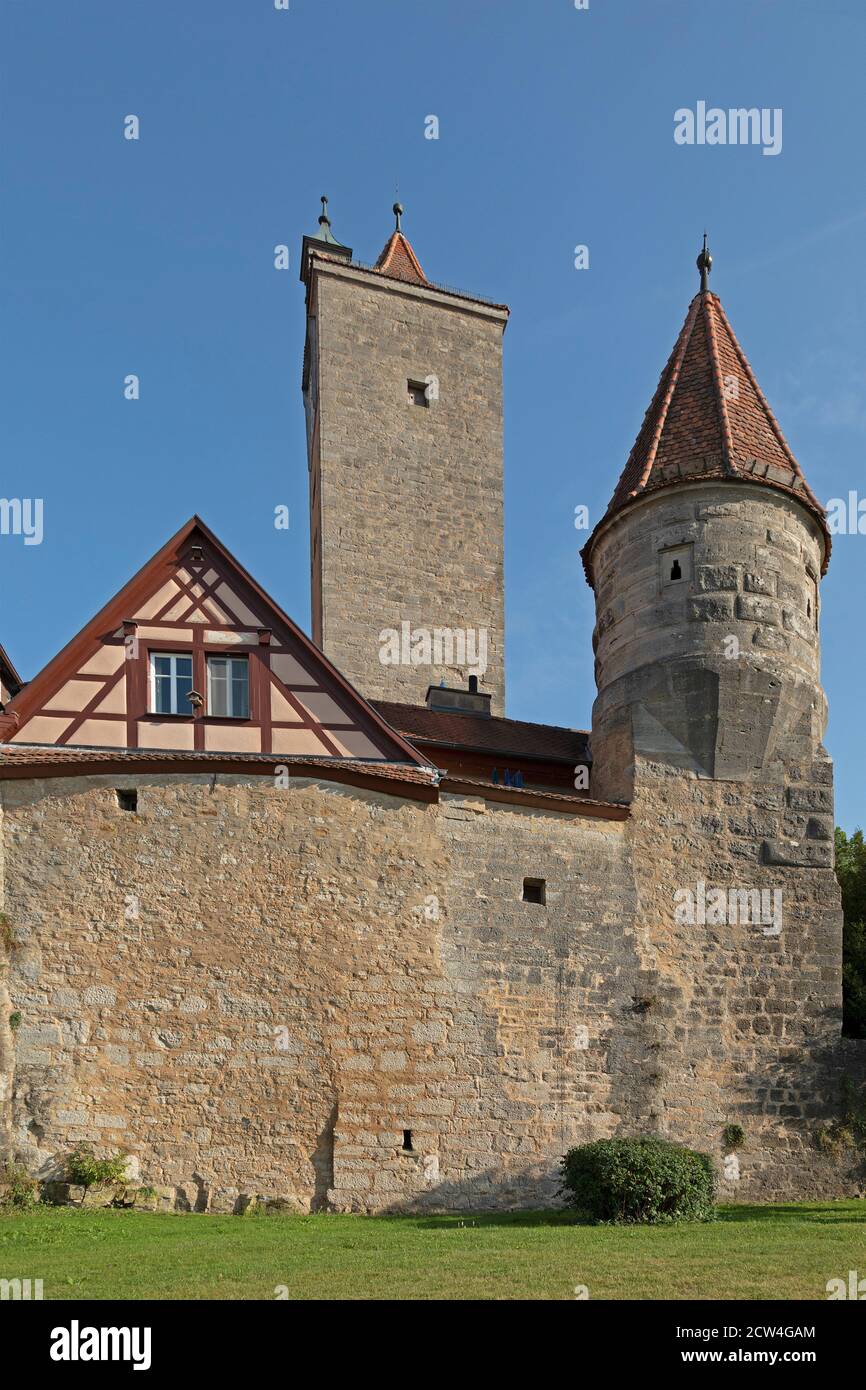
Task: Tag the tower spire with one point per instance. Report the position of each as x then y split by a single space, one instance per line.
325 233
397 258
705 265
709 418
323 241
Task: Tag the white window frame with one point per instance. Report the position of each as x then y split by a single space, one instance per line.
229 659
172 657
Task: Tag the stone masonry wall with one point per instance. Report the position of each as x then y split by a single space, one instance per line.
718 673
744 1016
709 721
410 496
255 990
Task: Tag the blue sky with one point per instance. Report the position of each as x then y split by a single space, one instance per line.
556 129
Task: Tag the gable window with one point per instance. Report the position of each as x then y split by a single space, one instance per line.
170 682
228 687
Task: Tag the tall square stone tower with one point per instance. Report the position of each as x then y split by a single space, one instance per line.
403 394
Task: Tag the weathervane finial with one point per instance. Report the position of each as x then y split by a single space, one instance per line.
324 219
705 265
398 213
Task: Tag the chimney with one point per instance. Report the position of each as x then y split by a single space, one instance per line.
454 701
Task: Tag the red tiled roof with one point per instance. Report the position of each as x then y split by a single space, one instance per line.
576 803
15 755
484 733
35 760
709 419
399 261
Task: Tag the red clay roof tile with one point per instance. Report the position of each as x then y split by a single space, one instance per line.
484 733
709 419
399 261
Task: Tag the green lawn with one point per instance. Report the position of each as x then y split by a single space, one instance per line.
772 1252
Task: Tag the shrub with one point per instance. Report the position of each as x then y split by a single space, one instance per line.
733 1137
638 1181
18 1188
15 1021
848 1130
85 1170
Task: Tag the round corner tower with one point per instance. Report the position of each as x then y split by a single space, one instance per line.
706 570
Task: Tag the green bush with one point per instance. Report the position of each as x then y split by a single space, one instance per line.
85 1170
638 1181
18 1188
733 1137
848 1130
851 873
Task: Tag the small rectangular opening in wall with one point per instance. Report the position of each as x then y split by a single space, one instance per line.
417 393
127 800
676 565
535 890
407 1141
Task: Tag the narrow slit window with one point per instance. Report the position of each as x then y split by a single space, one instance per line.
535 891
407 1141
812 600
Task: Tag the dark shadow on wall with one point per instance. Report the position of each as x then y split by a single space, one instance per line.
322 1159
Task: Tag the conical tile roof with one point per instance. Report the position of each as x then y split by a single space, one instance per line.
709 419
398 259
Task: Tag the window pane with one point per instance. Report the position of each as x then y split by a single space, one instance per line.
183 685
228 687
162 690
217 687
172 682
240 695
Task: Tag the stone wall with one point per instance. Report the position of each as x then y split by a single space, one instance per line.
257 990
408 507
709 720
719 672
744 1016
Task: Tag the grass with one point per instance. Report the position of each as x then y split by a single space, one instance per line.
767 1252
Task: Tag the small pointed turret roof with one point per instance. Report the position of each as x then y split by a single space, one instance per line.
709 418
397 258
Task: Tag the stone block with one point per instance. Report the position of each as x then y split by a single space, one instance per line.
718 608
718 577
754 609
763 582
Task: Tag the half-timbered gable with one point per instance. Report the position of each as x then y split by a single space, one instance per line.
192 655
